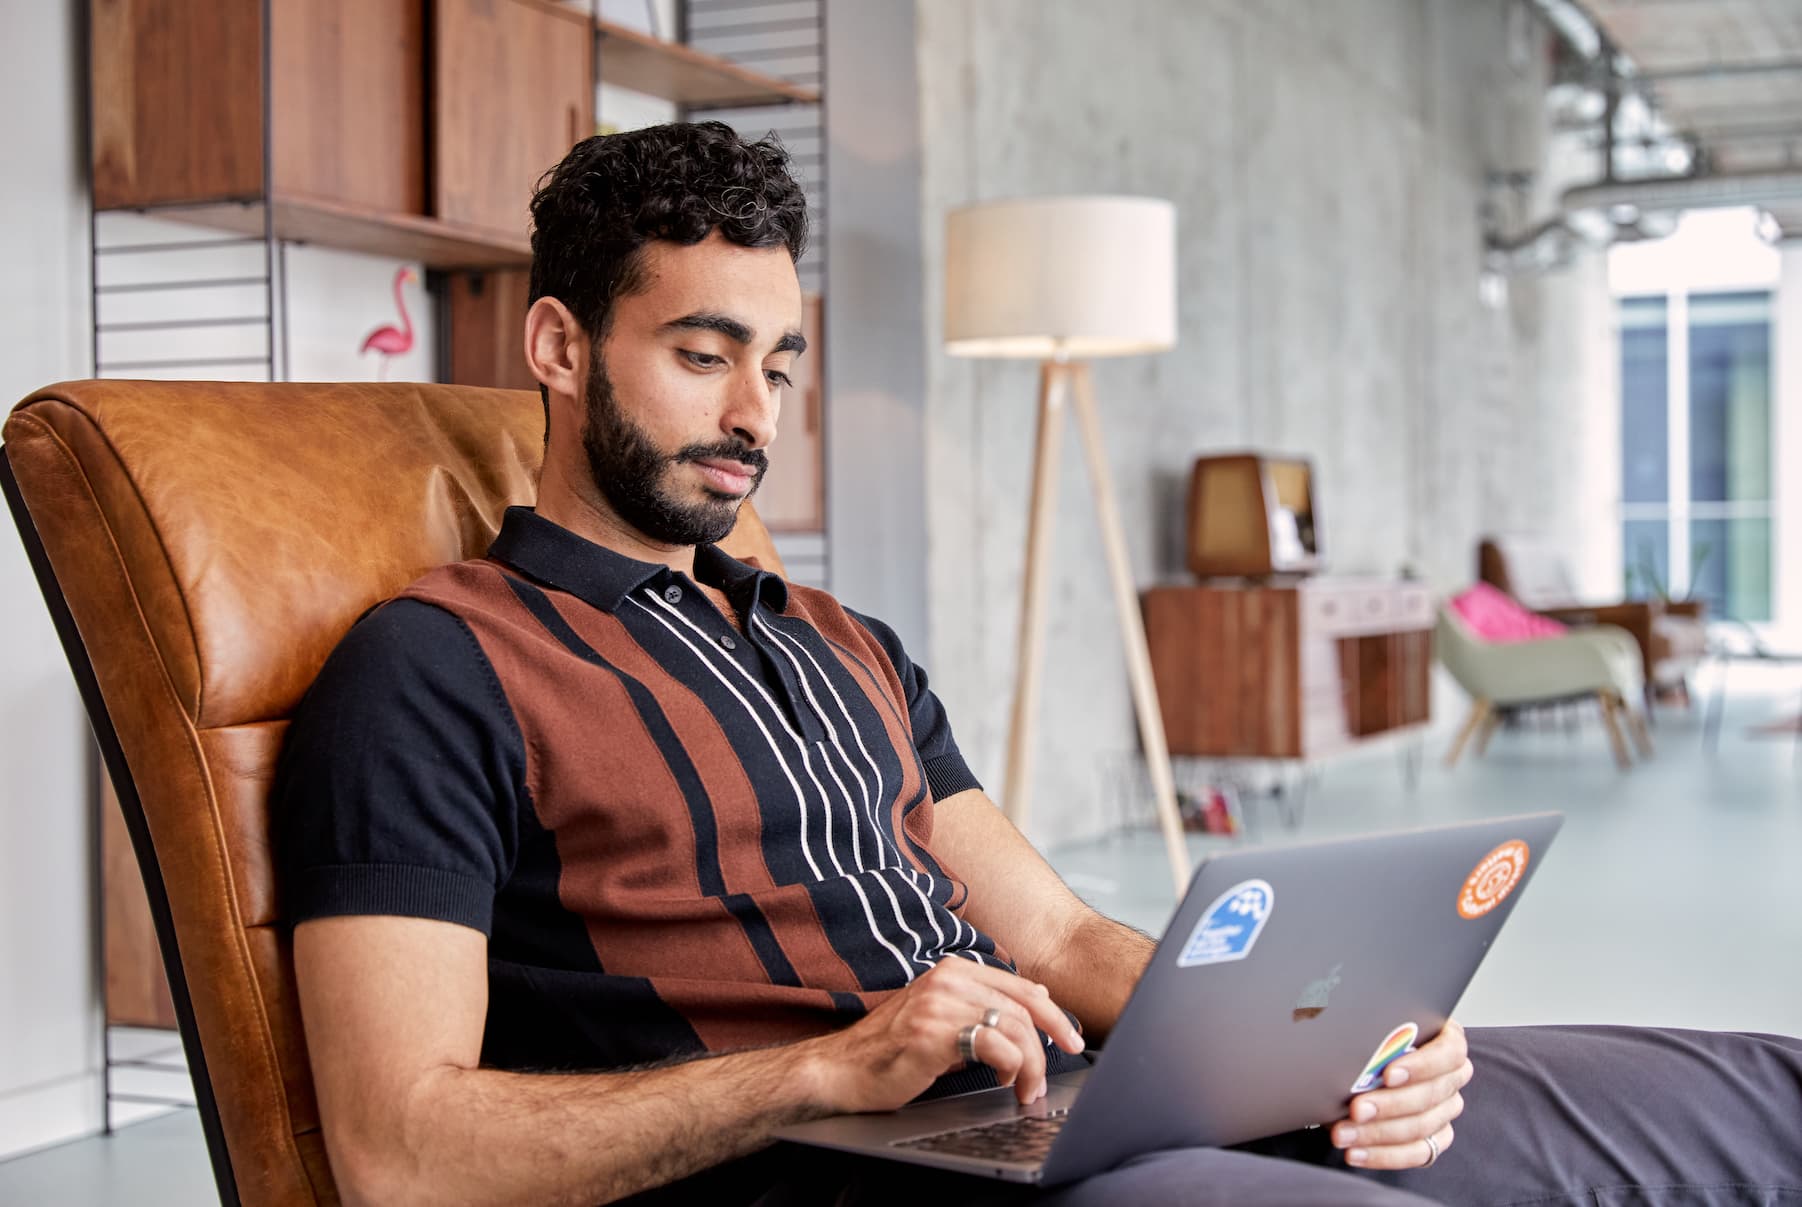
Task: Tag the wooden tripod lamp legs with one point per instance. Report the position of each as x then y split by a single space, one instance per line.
1056 380
1016 795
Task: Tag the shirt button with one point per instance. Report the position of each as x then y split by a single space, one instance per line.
673 594
727 642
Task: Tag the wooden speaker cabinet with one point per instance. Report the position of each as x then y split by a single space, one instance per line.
1288 672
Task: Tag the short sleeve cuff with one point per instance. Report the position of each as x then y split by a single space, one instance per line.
948 774
392 889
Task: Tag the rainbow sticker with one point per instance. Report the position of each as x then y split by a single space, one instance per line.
1399 1042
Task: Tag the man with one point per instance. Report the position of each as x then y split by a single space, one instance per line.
609 855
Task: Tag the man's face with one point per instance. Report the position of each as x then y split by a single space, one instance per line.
683 396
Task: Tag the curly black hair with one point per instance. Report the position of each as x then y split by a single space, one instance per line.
594 213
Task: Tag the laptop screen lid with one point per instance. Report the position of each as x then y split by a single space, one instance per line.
1290 974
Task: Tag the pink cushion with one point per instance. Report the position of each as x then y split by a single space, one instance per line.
1495 616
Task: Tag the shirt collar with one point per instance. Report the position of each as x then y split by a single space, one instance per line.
597 575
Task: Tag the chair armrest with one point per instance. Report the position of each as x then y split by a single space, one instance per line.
1635 616
1585 660
1629 614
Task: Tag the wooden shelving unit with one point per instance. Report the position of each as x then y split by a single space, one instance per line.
679 73
434 243
349 126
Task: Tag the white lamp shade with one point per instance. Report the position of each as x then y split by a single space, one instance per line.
1061 276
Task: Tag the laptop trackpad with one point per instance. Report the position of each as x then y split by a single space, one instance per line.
883 1129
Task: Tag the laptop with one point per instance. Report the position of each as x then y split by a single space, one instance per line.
1287 980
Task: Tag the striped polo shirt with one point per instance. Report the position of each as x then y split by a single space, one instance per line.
680 835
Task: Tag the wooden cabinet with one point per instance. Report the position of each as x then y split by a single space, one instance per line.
1288 672
347 80
177 97
338 135
413 129
513 89
487 310
395 127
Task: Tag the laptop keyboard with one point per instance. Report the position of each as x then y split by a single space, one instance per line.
1024 1139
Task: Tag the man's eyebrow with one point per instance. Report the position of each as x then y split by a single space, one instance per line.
732 329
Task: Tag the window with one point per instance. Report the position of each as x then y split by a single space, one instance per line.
1696 507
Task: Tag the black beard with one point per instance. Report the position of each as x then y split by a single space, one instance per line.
629 469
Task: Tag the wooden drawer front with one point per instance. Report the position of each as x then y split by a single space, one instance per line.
347 78
1225 663
1413 608
513 90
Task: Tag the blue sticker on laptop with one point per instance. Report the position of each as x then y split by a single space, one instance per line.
1229 927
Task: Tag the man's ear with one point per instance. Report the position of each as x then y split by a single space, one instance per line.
557 350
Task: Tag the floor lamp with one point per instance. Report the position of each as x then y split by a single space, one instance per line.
1062 280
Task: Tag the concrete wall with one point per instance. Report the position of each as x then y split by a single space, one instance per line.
49 1017
875 426
1328 162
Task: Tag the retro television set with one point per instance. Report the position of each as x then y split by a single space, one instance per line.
1252 515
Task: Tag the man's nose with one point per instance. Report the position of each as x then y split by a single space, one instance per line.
751 411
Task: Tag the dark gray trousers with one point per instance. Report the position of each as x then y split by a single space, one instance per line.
1603 1116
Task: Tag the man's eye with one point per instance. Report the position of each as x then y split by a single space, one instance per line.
779 378
702 360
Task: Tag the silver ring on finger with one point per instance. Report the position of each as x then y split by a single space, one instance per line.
991 1017
1432 1152
966 1041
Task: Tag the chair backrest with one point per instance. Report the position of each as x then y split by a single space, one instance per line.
1458 648
203 546
1529 569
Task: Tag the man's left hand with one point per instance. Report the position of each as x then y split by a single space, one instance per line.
1388 1127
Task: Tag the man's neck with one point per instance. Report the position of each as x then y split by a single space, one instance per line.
587 515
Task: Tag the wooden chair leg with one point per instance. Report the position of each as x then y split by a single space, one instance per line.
1486 730
1611 721
1642 736
1480 711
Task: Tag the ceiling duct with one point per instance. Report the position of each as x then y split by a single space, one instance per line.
1617 208
1714 191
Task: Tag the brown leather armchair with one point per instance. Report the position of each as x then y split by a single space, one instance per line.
1672 638
202 546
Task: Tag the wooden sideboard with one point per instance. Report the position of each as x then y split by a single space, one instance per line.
1288 672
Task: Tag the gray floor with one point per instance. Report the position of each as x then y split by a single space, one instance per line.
1671 898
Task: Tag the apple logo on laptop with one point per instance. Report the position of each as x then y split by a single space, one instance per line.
1313 998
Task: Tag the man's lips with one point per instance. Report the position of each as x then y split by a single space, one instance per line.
727 475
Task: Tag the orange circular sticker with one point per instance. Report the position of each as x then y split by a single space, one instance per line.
1490 882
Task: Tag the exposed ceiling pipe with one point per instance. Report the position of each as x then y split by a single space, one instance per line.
1573 25
1687 192
1612 209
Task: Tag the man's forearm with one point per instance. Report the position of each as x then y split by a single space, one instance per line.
487 1136
1090 963
1093 971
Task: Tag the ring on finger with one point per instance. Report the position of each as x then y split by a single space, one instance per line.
1432 1152
966 1043
966 1039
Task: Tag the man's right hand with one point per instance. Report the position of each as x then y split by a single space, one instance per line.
889 1057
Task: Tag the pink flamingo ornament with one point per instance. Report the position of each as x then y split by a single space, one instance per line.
389 340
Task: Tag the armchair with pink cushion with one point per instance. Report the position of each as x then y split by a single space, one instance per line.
1671 636
1506 658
